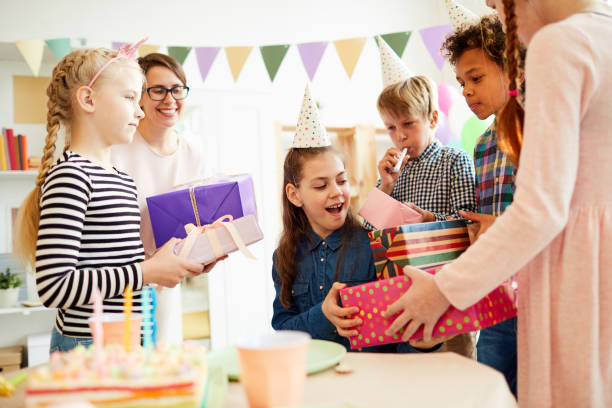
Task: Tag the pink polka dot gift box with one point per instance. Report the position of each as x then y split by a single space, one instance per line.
373 298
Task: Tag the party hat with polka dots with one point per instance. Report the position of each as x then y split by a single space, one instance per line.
393 68
460 17
309 131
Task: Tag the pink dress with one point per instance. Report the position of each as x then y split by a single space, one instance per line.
558 231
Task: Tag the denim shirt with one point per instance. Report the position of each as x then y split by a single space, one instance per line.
316 260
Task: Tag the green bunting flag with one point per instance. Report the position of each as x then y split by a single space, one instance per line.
59 46
397 41
273 56
179 53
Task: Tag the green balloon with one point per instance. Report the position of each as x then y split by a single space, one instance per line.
472 128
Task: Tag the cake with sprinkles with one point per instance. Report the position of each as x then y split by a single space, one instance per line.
168 376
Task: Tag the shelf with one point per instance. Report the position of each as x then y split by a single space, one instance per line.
24 310
23 174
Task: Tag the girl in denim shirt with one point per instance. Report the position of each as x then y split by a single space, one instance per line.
322 249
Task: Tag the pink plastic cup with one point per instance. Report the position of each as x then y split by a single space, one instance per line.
273 368
113 325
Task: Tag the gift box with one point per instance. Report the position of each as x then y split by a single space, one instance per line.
373 299
383 211
205 244
200 204
425 245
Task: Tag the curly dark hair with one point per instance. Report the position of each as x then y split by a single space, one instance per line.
487 34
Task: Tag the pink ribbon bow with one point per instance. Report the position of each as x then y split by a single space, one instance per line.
226 222
125 51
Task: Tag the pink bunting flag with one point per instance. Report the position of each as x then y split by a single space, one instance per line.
311 54
433 38
206 56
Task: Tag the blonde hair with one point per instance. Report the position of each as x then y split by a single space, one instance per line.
511 116
417 95
73 71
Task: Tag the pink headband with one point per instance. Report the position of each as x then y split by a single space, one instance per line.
125 51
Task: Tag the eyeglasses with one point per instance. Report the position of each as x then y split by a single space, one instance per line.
158 93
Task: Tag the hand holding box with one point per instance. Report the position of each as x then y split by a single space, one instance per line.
374 298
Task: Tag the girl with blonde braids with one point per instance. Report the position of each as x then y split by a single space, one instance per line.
557 233
80 225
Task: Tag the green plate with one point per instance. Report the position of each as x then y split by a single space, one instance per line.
322 354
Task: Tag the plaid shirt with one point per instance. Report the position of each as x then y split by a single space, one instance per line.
440 180
494 175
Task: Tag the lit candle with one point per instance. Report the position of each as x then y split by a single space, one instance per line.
98 330
147 339
127 312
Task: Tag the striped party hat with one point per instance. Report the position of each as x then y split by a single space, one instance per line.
309 131
393 68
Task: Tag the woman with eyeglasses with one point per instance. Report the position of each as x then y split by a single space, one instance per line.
158 159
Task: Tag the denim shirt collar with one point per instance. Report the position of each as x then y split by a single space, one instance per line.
313 240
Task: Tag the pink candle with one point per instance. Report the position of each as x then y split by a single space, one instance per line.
98 331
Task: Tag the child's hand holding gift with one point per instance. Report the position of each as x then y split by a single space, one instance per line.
426 216
424 345
484 221
167 269
337 315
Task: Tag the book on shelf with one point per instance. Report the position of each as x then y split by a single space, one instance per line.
23 144
19 151
7 155
13 151
10 142
34 162
2 153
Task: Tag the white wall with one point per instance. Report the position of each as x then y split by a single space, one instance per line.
220 23
205 23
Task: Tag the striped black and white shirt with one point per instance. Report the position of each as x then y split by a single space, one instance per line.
89 235
440 180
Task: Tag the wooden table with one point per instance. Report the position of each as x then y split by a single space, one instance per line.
389 380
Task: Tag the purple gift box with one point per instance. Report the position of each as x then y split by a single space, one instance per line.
208 200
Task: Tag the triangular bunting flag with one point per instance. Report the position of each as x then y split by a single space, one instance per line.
460 17
32 51
311 54
273 56
117 44
397 41
236 57
59 46
206 56
392 67
179 53
146 49
433 37
349 51
309 132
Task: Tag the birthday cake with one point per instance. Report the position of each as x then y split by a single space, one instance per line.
170 376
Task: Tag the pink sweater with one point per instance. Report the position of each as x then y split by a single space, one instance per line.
558 231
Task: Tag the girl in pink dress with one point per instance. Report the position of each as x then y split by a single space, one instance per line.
558 231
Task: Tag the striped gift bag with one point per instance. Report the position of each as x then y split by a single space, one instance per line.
426 246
